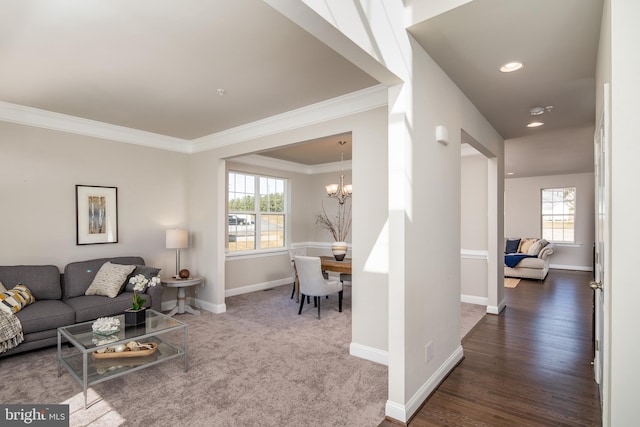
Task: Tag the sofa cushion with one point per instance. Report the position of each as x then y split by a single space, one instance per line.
525 244
512 246
42 280
2 288
91 307
145 270
531 263
45 315
14 300
109 280
79 275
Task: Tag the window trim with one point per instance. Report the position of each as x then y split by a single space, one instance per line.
259 251
574 214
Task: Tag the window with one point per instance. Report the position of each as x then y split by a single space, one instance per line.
256 212
558 214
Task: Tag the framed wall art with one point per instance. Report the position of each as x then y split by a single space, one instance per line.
96 214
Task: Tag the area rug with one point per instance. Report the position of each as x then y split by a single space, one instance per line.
511 282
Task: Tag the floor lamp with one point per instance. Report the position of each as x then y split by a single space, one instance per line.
177 239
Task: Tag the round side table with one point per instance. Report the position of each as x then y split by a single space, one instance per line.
181 284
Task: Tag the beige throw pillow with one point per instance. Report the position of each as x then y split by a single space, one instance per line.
526 244
109 280
2 288
537 247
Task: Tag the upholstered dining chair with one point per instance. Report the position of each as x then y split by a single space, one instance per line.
312 282
292 254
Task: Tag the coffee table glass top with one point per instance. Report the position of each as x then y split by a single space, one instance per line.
89 370
82 333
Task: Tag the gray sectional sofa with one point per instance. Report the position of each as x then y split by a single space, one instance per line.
60 299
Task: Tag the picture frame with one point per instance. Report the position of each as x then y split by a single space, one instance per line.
96 214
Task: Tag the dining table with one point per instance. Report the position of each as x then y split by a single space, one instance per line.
328 263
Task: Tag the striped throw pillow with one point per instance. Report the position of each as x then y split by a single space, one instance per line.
14 300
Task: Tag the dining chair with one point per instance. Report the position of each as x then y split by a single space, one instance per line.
313 283
292 254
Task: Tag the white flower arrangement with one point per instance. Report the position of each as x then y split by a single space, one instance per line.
140 283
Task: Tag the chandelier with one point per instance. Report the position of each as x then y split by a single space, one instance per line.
340 191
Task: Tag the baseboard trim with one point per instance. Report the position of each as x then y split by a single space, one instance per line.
492 309
570 267
403 413
257 287
472 299
369 353
213 308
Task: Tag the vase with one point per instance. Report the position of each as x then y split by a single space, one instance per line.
339 250
135 317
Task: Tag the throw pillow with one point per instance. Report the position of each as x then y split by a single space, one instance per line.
526 244
2 288
512 246
16 299
145 270
109 280
537 247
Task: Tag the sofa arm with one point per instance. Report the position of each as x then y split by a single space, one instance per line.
155 293
546 251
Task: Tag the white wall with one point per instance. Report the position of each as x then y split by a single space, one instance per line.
624 65
522 216
474 229
424 241
40 169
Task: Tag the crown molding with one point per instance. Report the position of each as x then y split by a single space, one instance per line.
277 164
352 103
62 122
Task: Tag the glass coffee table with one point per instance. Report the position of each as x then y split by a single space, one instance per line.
88 369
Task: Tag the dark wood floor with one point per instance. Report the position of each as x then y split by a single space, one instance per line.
530 366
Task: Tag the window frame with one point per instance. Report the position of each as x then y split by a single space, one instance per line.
257 214
565 212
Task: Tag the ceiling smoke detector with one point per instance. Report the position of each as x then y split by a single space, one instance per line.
536 111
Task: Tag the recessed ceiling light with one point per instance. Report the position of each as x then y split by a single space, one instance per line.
510 173
511 66
534 124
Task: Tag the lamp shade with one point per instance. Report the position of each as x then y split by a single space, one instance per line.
177 239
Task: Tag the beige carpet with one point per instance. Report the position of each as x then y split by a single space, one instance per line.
259 364
511 282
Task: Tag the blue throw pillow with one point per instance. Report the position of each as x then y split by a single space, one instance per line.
512 246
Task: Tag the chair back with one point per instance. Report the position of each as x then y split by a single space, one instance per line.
312 283
297 252
292 255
